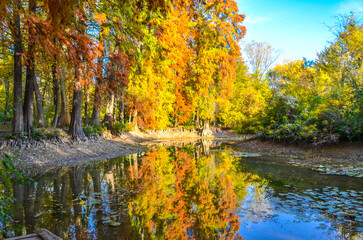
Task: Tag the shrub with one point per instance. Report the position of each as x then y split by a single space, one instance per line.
39 134
48 133
118 128
93 130
188 125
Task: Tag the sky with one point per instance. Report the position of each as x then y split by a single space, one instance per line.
298 28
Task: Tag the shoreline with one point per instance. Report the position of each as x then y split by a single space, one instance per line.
342 158
65 152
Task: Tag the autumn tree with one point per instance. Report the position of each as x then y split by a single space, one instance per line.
216 35
18 125
246 108
30 70
342 61
260 57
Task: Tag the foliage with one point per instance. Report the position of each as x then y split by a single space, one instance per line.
315 102
93 130
158 64
245 109
118 128
322 102
48 133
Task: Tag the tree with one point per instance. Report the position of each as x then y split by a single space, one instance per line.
247 106
260 57
18 124
217 32
342 61
30 71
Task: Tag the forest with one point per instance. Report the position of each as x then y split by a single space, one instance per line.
91 66
274 149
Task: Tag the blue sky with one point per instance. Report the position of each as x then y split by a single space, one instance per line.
298 28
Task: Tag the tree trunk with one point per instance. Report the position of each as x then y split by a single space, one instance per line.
108 119
97 101
122 108
30 76
18 124
38 101
7 96
86 102
55 94
75 128
197 120
135 119
114 111
64 118
29 96
130 118
206 132
96 112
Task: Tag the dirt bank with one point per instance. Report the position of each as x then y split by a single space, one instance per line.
51 154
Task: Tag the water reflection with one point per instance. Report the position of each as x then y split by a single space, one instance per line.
190 192
182 197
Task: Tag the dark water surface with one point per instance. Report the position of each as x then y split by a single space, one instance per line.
191 192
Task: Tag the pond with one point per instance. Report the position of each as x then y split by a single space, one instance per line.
191 192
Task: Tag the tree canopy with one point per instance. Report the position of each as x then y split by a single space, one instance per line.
90 65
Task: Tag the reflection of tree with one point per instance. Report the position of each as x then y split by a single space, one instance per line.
18 191
206 144
185 198
29 197
60 186
76 177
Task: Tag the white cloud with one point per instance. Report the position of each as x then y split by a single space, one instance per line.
346 7
250 20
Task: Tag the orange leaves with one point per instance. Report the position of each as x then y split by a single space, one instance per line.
118 69
60 12
100 18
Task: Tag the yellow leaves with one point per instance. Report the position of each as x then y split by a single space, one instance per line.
105 31
100 18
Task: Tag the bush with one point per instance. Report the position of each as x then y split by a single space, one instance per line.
37 135
189 125
48 133
118 128
93 130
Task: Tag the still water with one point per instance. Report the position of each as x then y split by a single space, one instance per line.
191 192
